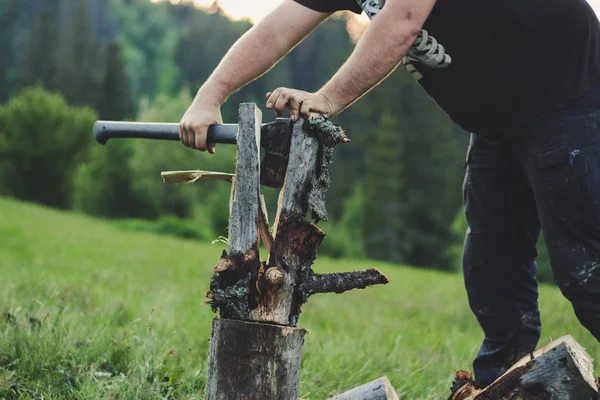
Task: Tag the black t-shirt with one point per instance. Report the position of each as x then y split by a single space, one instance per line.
497 64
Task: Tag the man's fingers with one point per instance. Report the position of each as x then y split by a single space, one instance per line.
282 102
298 101
181 133
212 148
184 135
199 137
294 106
305 108
272 98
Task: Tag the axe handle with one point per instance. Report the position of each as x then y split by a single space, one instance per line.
105 130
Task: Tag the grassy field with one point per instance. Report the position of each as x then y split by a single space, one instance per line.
91 312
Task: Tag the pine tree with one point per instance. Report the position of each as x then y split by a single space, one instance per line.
8 12
433 157
38 64
79 68
384 177
116 100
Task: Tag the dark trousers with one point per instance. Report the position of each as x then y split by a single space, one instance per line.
545 177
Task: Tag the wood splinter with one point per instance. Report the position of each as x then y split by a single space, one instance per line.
194 176
263 225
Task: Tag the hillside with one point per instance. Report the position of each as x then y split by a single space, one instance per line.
92 312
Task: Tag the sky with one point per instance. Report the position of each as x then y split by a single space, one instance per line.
257 9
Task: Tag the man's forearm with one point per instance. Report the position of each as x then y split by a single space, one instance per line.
378 53
259 49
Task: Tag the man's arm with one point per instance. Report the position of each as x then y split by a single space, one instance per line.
257 51
378 53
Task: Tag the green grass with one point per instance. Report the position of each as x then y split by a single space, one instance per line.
92 312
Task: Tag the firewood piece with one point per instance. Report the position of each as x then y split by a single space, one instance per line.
234 285
263 225
253 361
561 370
379 389
302 170
243 229
194 176
341 282
329 135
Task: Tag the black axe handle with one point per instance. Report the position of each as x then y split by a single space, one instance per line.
105 130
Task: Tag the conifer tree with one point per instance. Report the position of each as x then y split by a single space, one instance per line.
79 68
8 12
116 100
38 65
383 186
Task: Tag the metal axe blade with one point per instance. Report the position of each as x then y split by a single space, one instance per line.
275 140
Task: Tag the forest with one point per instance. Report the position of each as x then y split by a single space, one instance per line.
396 193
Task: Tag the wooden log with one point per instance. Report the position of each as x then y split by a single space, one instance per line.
233 287
561 370
379 389
253 361
243 229
302 169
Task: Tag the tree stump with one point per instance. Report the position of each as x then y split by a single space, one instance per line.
255 349
253 361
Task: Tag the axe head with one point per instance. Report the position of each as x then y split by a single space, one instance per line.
275 139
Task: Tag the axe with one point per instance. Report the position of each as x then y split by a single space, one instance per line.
275 138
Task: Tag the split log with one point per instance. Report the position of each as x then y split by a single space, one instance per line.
253 361
233 287
245 207
194 176
561 370
379 389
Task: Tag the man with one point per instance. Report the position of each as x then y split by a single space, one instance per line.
522 75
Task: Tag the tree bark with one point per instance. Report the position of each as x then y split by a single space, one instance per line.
253 361
379 389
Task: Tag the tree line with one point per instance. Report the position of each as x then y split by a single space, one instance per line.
396 189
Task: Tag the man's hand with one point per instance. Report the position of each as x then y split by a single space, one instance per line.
300 103
195 122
